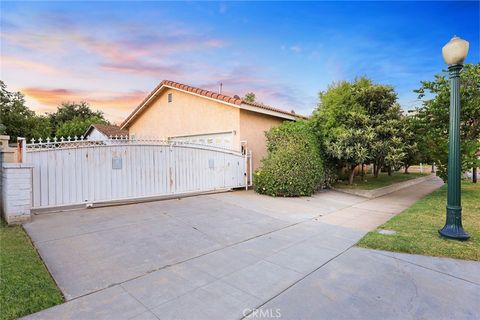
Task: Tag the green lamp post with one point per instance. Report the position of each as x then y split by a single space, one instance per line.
454 53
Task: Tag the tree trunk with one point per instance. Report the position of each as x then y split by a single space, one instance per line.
352 174
474 175
433 167
363 173
389 170
378 167
374 169
406 169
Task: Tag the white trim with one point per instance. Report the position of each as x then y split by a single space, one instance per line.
88 130
203 134
267 112
241 106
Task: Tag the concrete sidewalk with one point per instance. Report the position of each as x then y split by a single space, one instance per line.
370 284
222 256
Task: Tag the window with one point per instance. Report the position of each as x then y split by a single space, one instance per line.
170 97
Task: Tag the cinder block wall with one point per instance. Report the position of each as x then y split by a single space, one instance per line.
16 191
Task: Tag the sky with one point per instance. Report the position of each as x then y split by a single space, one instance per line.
112 54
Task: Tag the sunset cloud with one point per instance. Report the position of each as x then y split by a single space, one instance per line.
115 105
111 55
138 67
13 62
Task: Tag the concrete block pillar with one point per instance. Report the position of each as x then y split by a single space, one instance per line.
16 192
7 153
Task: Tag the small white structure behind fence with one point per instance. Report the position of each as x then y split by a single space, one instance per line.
73 172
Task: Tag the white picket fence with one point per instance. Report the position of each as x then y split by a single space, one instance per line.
73 172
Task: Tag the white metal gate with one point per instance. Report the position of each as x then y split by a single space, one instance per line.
82 172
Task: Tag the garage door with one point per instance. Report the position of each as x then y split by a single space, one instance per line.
218 139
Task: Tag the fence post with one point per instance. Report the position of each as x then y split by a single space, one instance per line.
251 168
22 150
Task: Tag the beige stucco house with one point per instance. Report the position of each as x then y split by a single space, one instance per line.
181 112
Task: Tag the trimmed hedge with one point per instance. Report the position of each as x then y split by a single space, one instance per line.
293 166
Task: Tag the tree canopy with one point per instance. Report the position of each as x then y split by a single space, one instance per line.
434 117
250 97
17 120
360 122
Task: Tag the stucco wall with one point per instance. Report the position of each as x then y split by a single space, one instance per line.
252 129
187 114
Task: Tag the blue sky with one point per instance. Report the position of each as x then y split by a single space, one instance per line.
113 53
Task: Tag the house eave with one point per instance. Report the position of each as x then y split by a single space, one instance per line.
243 106
273 113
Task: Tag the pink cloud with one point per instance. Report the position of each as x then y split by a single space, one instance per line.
9 61
115 105
138 67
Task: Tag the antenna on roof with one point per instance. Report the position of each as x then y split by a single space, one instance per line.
221 87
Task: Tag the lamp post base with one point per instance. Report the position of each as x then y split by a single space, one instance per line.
453 228
454 232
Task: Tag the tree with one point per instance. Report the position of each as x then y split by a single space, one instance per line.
379 102
358 122
76 112
409 135
77 126
17 120
350 145
434 117
249 97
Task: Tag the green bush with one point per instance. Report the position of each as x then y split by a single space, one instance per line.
293 166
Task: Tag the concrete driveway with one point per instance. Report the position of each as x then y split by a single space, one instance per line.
236 254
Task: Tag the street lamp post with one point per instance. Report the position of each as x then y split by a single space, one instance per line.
454 53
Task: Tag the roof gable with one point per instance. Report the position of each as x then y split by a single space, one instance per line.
107 130
232 101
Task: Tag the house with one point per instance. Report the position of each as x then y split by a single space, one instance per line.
99 131
180 112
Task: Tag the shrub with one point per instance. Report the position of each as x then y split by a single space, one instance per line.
293 166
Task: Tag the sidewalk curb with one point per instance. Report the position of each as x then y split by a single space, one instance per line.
375 193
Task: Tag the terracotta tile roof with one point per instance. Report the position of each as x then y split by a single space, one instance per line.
108 130
209 94
202 92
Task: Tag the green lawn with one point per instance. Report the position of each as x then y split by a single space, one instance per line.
417 227
25 284
383 180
